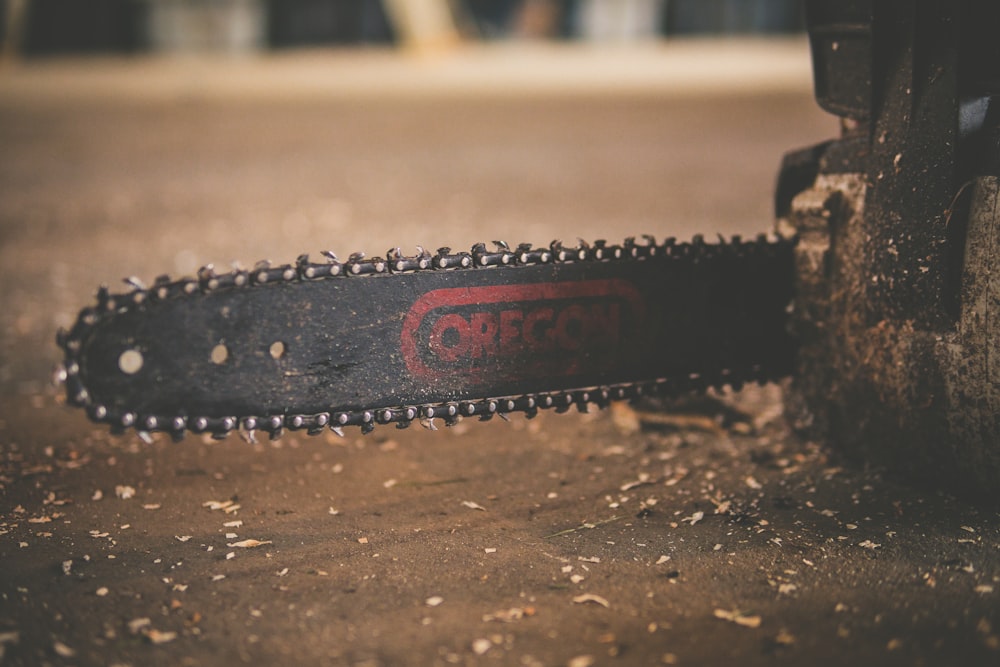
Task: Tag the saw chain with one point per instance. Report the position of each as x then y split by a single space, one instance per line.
447 335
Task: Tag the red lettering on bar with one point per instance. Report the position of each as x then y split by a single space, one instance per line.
510 331
482 335
441 343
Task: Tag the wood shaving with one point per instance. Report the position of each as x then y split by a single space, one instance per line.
157 637
182 538
625 418
481 646
434 601
124 492
63 650
590 597
249 544
151 506
227 506
509 615
738 617
694 518
643 479
473 506
138 624
784 638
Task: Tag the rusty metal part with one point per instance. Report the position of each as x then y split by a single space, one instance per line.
896 266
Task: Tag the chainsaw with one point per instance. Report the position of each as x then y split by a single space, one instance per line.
879 296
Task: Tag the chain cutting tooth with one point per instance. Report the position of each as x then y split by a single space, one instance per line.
309 271
105 300
335 267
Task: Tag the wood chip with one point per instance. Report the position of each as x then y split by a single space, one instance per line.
138 624
738 617
473 506
694 518
157 637
434 601
481 646
124 492
509 615
643 479
227 506
787 589
784 638
590 597
63 650
248 544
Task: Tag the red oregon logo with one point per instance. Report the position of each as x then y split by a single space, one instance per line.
533 329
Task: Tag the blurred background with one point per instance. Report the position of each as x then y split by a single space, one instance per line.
37 28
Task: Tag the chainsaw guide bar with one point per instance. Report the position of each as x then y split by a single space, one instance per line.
367 341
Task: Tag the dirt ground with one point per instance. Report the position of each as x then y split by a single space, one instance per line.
693 535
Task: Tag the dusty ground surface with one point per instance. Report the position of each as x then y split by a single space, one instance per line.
615 538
